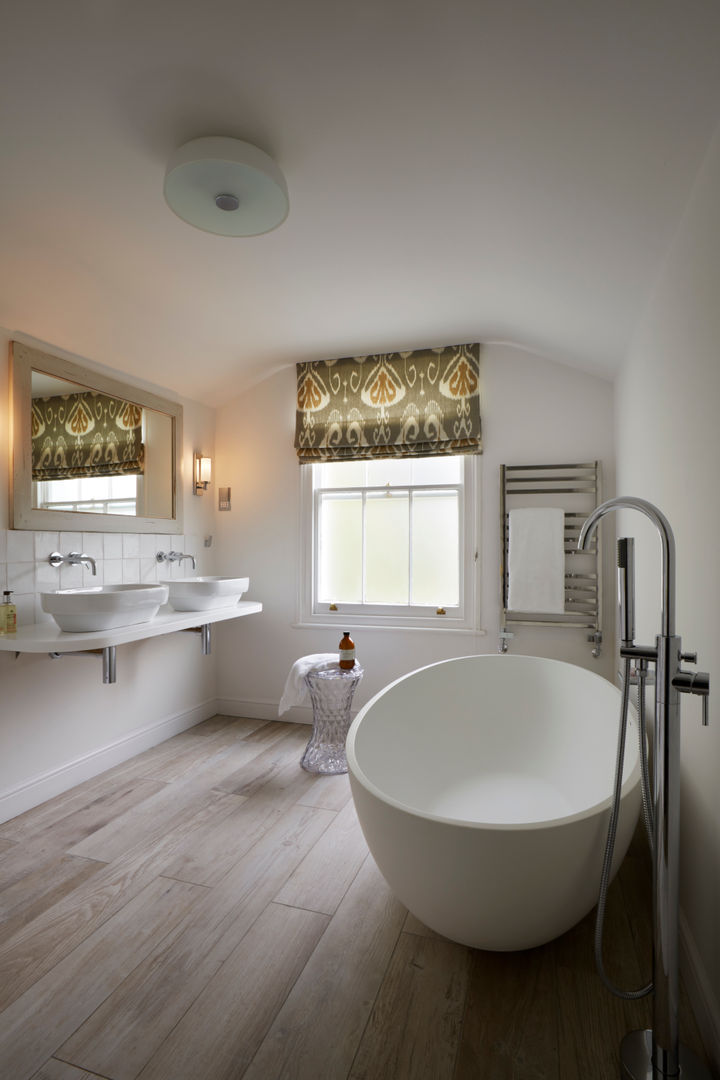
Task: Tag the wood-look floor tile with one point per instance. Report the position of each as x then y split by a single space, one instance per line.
99 813
414 1028
43 942
591 1020
323 877
330 792
239 743
77 812
156 815
414 926
262 769
24 863
242 726
42 888
211 849
37 1022
175 757
60 1070
129 1027
510 1023
100 980
316 1032
220 1032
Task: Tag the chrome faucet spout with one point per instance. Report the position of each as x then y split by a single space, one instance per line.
174 556
85 560
666 538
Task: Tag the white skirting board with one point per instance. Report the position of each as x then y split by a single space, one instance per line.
264 710
40 788
704 1003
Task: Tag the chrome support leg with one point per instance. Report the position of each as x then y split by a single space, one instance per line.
109 666
205 637
107 655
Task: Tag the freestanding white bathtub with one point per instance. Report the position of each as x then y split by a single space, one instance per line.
483 788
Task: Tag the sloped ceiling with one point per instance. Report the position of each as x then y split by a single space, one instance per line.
466 170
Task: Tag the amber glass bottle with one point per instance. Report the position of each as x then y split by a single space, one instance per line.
347 651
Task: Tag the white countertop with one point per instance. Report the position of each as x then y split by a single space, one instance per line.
48 637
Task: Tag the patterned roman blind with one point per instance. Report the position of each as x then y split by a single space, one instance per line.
403 404
86 434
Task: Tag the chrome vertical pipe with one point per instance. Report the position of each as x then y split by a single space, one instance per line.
666 775
205 639
108 662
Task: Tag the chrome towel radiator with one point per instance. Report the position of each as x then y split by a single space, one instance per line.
577 490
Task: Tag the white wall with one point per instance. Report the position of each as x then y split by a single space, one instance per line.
668 399
58 722
534 410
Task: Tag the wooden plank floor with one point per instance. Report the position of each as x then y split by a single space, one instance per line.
209 910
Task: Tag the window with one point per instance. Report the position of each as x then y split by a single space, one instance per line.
390 541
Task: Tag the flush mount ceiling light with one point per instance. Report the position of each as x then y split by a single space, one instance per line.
226 186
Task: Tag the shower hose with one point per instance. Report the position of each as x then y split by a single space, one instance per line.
628 995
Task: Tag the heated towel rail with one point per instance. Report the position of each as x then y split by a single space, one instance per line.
577 490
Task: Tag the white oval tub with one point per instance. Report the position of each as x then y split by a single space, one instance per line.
483 787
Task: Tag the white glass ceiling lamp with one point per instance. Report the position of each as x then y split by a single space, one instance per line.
226 186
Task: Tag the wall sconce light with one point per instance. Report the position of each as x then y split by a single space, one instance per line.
202 473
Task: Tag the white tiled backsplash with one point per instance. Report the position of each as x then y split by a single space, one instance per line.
119 557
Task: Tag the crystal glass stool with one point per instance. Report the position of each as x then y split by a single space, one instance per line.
331 691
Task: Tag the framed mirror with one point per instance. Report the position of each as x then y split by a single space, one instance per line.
88 452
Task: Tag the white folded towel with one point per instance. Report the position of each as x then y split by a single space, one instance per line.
296 691
536 560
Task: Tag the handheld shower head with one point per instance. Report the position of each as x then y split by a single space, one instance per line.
626 588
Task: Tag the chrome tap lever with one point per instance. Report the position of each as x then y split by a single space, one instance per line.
694 682
626 588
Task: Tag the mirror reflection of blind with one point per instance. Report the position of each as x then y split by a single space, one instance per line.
85 434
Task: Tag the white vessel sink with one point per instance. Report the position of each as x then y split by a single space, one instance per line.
103 607
201 593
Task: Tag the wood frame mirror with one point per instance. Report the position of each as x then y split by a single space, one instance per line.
27 362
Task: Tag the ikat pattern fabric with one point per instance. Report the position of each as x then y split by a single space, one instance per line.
85 434
404 404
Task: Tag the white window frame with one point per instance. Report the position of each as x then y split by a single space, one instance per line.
463 618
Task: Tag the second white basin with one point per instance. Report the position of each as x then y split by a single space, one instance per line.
201 593
103 607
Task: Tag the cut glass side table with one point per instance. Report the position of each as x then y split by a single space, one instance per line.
331 691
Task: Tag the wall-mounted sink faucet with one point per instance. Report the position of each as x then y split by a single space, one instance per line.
75 558
174 556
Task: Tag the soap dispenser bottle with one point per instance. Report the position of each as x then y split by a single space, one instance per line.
8 614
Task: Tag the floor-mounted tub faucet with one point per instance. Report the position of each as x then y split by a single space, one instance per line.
75 558
656 1054
174 556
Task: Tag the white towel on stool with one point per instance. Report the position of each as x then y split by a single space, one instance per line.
536 559
296 691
